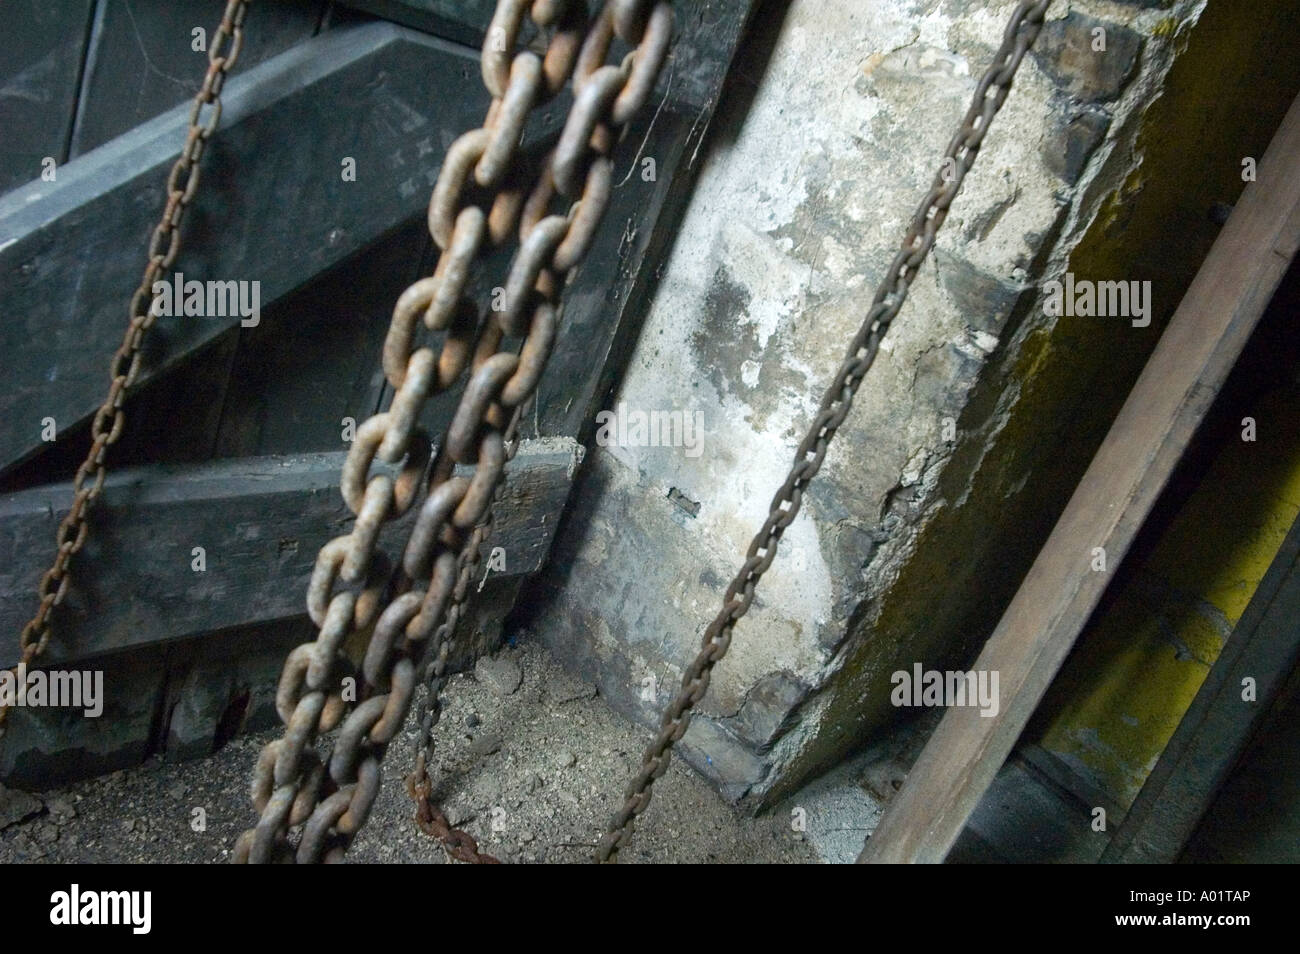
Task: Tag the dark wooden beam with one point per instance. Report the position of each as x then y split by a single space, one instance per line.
260 522
1219 724
273 208
614 288
42 47
464 21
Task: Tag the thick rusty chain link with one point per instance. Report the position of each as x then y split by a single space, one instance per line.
406 610
164 246
1021 32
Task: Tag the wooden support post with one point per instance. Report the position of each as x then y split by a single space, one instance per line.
1176 388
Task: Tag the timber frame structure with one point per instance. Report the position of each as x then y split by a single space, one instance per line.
238 427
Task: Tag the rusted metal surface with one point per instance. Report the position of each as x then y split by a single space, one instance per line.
459 843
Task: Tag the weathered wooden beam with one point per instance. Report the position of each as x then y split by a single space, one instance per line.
1163 411
273 208
1219 724
260 522
613 290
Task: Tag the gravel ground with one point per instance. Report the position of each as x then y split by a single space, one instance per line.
521 743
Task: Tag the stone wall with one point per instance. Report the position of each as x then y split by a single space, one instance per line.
981 411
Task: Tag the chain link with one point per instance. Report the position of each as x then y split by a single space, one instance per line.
407 610
991 92
164 245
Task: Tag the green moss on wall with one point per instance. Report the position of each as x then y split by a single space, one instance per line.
1040 411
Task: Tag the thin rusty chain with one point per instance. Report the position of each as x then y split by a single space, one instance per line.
164 246
1021 32
407 610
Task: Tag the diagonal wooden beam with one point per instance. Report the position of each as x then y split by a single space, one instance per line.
664 150
1116 494
657 165
273 207
260 522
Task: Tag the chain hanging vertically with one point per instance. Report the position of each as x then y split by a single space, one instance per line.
409 607
164 245
991 92
606 98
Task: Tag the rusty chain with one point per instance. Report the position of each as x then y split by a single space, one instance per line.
164 246
293 787
409 608
991 92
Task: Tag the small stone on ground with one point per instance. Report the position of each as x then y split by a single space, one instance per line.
501 674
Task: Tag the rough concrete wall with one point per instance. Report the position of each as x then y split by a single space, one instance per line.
795 217
1151 210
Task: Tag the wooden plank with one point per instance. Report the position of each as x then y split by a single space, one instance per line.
261 523
1176 388
142 59
273 209
1219 724
42 47
174 419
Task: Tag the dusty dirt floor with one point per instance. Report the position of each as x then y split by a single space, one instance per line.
520 741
